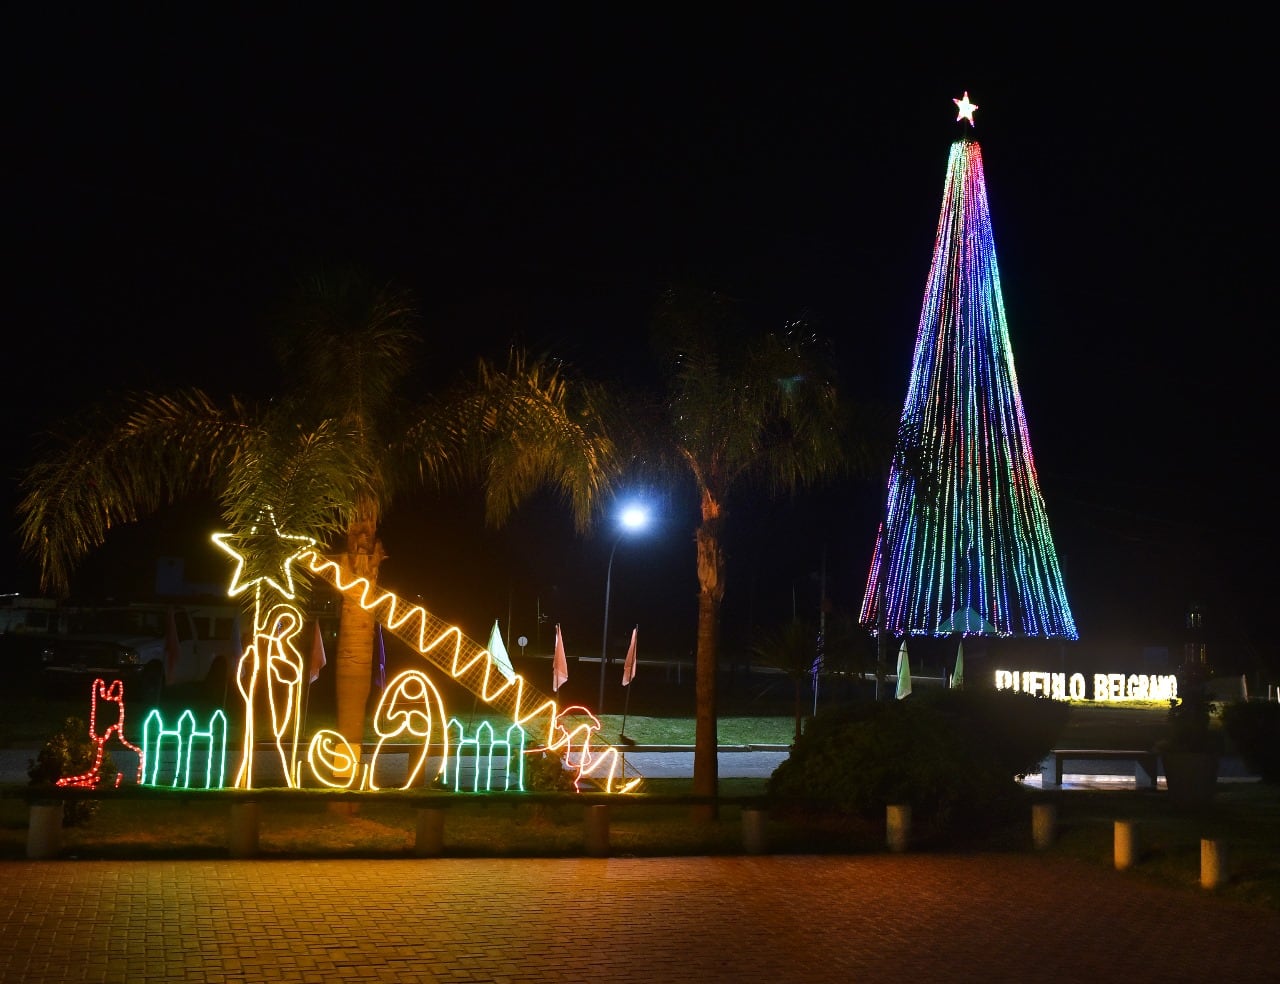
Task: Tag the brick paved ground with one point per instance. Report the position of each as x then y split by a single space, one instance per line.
986 918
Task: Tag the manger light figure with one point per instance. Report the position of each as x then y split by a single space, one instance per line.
964 544
632 519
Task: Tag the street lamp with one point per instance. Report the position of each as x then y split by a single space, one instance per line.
632 519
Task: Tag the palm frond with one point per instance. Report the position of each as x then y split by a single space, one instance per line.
118 465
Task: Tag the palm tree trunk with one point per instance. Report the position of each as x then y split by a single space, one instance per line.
710 594
354 668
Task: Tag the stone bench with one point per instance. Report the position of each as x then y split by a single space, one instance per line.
1145 763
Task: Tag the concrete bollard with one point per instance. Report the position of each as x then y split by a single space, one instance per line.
44 831
1044 823
429 842
597 822
1213 863
1126 845
244 830
754 836
898 826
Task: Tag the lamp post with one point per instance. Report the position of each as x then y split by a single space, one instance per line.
633 518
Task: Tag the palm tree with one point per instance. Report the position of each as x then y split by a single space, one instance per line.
326 456
793 649
735 411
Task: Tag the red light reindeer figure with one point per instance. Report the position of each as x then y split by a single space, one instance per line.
110 694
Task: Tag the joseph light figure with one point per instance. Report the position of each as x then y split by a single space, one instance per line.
964 545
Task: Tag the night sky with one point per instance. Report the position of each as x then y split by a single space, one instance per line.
542 176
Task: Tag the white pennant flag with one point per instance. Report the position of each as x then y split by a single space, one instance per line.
904 672
498 653
629 667
559 665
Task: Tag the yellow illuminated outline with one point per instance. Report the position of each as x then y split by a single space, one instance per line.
332 759
229 543
410 707
272 663
473 666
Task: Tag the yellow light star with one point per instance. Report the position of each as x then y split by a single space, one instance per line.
964 108
232 544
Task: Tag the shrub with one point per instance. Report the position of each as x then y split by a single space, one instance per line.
1254 728
71 752
1016 729
953 755
546 772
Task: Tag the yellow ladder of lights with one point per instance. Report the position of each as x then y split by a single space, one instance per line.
566 730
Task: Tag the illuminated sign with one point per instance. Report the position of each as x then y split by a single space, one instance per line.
1107 687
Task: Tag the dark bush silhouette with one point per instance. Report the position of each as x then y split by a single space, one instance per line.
954 756
1254 728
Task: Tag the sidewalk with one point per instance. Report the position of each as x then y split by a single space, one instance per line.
989 919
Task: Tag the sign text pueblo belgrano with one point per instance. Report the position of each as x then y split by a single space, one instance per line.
1106 686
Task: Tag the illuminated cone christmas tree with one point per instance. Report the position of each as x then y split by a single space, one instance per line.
964 545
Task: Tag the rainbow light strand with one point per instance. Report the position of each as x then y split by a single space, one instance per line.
977 556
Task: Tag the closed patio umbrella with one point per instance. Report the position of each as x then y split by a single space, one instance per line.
904 672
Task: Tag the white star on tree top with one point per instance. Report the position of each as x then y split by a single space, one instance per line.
964 108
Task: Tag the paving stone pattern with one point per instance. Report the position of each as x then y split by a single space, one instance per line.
982 918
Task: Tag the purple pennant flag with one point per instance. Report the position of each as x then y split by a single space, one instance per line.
379 661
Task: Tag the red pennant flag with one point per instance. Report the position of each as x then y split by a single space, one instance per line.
317 661
171 648
629 667
559 665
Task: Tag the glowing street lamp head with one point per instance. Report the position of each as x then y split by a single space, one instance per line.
634 517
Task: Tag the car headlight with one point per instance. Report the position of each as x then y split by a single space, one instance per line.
127 657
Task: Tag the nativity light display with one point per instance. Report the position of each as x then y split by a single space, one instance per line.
271 675
964 545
